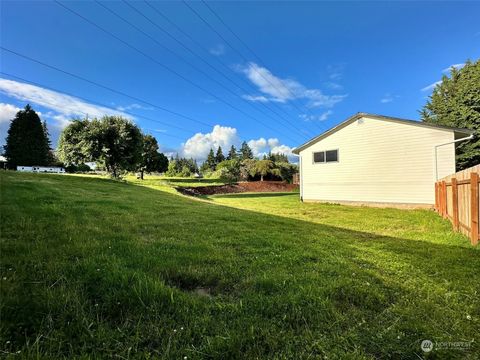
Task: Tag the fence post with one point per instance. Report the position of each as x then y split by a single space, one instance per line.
474 208
440 198
444 195
436 197
455 203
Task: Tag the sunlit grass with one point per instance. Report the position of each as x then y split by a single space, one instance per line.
95 268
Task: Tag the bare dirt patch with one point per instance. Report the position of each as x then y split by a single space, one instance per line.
254 186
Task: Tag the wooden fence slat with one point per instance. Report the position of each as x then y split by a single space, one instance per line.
460 204
455 203
474 208
445 204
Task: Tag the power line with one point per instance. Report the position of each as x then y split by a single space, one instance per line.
95 103
167 67
220 36
241 55
203 60
106 87
179 56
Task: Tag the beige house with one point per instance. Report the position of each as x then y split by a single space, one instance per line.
377 159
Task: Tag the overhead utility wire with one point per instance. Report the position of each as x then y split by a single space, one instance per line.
167 67
242 56
179 56
106 87
186 47
97 103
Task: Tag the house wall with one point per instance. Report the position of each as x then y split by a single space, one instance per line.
379 161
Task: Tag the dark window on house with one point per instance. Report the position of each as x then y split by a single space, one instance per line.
332 155
319 157
325 156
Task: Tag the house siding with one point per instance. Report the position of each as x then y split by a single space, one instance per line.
379 161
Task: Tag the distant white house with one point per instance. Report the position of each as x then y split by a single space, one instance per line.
3 162
41 169
377 159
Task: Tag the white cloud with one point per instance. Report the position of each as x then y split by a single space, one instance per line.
387 98
217 50
284 90
311 117
199 145
445 71
132 107
65 106
456 66
335 72
258 146
333 85
257 98
7 112
431 86
262 147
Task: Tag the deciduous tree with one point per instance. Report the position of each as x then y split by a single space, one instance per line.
112 140
264 167
151 160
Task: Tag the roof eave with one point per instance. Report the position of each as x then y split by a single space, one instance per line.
359 115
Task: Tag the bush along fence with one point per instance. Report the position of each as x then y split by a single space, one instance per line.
457 199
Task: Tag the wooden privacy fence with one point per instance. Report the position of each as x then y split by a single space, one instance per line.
296 179
457 199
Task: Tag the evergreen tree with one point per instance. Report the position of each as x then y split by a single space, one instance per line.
232 154
210 163
219 157
245 151
456 102
27 140
51 156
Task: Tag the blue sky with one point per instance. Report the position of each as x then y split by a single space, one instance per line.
295 69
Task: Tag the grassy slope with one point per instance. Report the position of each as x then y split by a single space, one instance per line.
97 268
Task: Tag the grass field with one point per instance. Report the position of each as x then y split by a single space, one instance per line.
93 268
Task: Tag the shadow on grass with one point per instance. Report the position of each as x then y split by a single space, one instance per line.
281 287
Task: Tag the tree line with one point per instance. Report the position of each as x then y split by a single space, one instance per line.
236 165
112 142
118 145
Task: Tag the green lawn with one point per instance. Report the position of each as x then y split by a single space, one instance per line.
93 268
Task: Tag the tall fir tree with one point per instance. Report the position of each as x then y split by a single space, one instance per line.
456 102
27 140
219 157
245 151
210 163
51 155
232 153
